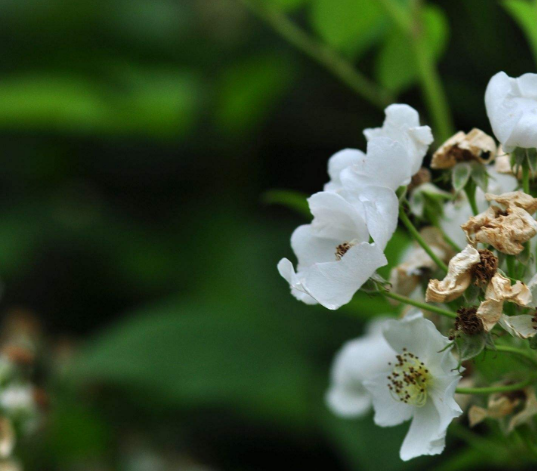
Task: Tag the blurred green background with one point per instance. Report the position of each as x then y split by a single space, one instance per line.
138 138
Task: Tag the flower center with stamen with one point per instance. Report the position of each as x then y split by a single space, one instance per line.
342 249
409 380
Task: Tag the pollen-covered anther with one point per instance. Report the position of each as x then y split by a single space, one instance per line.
483 271
409 380
342 249
467 321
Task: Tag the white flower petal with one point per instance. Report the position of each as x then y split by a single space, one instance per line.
389 411
442 393
424 436
335 217
386 164
286 270
417 335
521 326
358 360
381 208
309 248
339 162
512 109
334 284
403 126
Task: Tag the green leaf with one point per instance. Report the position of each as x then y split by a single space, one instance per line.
396 64
189 355
524 12
156 103
350 26
291 199
460 176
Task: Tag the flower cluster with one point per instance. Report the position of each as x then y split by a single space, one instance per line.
359 203
472 262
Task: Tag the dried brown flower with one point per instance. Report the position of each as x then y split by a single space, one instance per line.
507 226
483 271
498 291
458 278
462 147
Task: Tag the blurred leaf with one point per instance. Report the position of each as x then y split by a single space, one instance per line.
194 355
351 26
396 64
153 103
524 12
248 91
291 199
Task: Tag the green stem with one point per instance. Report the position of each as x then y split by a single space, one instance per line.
511 265
431 85
418 304
419 239
526 178
321 53
470 190
497 389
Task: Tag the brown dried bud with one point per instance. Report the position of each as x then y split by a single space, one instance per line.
462 147
485 269
467 322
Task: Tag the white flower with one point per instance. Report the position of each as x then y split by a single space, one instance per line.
419 384
512 110
16 399
402 124
334 256
357 360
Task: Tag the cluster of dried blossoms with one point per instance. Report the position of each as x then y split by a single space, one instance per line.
21 401
473 262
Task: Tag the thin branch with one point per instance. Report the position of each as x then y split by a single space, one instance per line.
321 53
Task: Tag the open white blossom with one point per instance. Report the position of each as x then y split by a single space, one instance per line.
334 256
419 384
402 124
357 360
512 110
